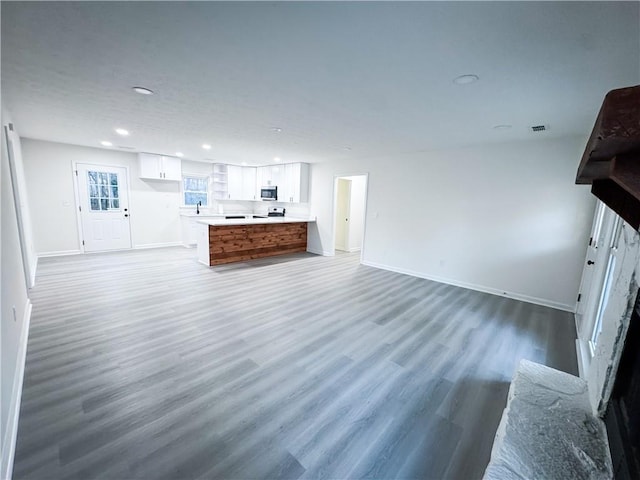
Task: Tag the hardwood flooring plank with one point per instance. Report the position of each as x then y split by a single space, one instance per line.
298 366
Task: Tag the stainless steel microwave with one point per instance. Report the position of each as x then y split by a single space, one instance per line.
269 193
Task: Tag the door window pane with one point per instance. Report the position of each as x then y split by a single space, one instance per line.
103 191
607 283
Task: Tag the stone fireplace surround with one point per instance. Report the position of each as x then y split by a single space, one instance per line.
604 364
537 393
623 299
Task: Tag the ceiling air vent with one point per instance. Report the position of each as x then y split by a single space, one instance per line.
539 128
126 148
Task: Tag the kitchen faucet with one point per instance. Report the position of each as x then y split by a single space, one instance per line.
198 207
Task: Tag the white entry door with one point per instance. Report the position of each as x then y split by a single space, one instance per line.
104 207
595 242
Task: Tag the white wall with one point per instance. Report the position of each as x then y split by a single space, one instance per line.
506 219
16 309
49 168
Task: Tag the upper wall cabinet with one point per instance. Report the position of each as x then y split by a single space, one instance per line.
296 177
159 167
292 180
249 191
232 182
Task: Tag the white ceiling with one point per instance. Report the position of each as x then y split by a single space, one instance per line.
342 80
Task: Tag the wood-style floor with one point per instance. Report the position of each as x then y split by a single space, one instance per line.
148 365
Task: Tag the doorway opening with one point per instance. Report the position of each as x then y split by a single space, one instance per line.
349 213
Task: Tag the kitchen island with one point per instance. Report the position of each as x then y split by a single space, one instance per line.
223 241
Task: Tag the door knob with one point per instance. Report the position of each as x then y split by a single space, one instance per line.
589 262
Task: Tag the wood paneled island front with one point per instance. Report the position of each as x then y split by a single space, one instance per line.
223 241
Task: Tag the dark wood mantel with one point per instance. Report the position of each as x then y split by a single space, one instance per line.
611 160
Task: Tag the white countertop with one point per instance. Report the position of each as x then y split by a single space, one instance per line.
255 221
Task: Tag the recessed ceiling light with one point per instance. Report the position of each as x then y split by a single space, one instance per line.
244 164
277 159
502 127
106 143
277 129
465 79
179 154
206 146
122 131
143 90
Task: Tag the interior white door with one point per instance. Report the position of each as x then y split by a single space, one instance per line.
343 208
104 207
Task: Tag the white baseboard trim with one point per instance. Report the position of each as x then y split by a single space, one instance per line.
11 432
324 253
34 269
157 245
59 253
479 288
354 250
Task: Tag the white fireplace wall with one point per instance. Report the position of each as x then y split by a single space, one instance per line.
615 323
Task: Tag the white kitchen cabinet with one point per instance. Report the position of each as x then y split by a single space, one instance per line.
190 227
297 177
259 182
235 183
241 183
232 182
272 176
171 168
159 167
292 180
249 175
189 231
266 177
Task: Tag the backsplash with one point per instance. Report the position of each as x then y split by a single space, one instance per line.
247 207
